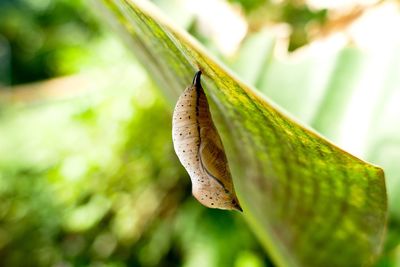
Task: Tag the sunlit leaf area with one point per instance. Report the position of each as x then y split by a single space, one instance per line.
88 173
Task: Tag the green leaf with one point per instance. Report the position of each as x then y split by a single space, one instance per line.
309 202
336 85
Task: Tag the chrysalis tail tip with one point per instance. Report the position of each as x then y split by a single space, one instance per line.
239 208
196 79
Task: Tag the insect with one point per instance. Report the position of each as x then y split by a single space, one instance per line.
200 150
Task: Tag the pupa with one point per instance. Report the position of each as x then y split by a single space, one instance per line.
200 150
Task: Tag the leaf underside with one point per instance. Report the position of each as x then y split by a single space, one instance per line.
309 202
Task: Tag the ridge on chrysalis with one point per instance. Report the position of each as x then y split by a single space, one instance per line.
200 150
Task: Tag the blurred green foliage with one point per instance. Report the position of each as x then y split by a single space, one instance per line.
47 38
93 180
295 13
95 184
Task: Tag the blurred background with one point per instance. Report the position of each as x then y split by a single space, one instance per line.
88 176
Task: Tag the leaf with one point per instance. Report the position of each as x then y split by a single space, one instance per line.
360 83
356 81
309 202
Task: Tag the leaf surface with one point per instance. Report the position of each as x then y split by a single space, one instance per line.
309 202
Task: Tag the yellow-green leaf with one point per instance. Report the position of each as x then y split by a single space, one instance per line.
309 202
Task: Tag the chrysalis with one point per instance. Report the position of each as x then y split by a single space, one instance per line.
199 148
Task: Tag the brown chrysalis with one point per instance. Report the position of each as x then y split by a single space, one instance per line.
199 148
